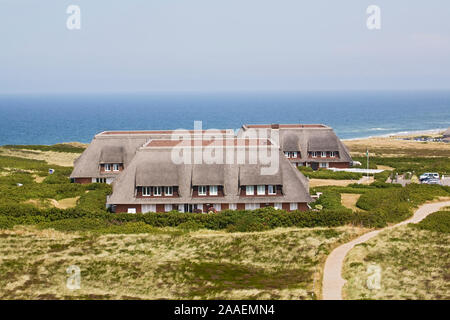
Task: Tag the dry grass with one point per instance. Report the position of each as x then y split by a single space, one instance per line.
64 203
385 168
349 200
394 147
277 264
64 159
329 182
415 264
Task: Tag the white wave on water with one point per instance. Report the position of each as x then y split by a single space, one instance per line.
402 133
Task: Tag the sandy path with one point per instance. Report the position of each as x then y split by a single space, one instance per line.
332 274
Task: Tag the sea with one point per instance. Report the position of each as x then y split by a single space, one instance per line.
56 118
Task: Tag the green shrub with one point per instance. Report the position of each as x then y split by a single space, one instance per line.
61 147
437 221
329 174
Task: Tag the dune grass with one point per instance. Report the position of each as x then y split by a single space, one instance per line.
166 264
414 261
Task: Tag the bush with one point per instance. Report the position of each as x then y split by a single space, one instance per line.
329 174
396 203
437 221
61 147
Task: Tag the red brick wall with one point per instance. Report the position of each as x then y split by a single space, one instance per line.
83 180
340 165
124 207
303 207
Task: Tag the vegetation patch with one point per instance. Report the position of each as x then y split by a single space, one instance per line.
414 264
329 174
168 264
437 221
60 147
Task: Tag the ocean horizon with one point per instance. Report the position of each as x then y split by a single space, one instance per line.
55 118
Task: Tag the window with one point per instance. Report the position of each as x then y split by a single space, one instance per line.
261 190
251 206
323 154
213 190
314 154
115 167
167 207
107 167
271 189
146 191
232 206
278 206
131 210
286 154
200 207
100 180
293 206
333 154
217 206
157 191
202 190
323 165
148 208
249 190
168 191
294 154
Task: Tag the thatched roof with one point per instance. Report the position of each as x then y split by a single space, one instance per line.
305 139
230 176
250 174
156 174
119 147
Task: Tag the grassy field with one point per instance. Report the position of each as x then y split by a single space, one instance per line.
138 260
393 147
167 264
414 261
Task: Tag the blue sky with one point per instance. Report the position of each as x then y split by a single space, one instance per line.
215 45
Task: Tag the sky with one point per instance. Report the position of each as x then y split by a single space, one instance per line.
223 45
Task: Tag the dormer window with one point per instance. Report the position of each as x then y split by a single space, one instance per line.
213 190
202 190
333 154
291 154
271 189
261 190
323 154
168 191
157 191
107 167
115 167
146 191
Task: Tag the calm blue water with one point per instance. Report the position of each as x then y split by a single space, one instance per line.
49 119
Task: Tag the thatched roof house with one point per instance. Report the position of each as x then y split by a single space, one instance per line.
153 181
314 145
111 151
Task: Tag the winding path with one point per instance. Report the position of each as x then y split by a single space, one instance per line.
332 274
